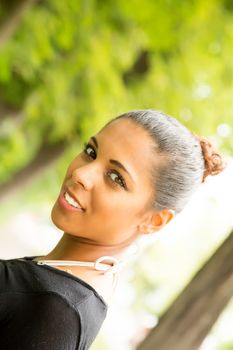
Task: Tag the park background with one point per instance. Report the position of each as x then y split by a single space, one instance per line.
67 67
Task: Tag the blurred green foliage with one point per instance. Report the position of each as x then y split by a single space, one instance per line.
71 65
226 346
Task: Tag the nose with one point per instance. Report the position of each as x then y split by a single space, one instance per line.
86 175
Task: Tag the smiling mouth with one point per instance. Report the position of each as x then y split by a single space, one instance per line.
70 200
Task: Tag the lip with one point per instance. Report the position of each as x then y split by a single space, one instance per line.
64 204
72 195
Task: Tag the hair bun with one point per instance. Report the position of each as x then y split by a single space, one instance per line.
213 161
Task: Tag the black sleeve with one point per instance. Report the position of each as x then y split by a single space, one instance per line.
39 322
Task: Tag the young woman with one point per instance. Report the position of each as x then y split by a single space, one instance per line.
131 179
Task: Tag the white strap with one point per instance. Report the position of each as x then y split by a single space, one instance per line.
98 265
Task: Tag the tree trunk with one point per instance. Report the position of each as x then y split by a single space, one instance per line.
190 318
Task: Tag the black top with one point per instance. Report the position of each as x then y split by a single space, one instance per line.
44 308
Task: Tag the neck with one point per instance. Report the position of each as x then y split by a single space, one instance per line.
76 248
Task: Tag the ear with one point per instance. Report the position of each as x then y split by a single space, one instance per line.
157 221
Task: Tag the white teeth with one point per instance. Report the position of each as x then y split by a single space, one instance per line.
71 200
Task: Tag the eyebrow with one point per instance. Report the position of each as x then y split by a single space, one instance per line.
113 161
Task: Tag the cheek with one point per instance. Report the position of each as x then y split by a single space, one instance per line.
114 205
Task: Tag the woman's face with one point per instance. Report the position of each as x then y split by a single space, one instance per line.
115 200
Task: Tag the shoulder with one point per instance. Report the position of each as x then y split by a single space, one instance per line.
78 324
47 301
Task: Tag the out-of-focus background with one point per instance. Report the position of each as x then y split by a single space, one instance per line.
68 66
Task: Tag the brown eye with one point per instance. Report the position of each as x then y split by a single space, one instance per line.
120 181
89 151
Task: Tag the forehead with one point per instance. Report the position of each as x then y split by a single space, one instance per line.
130 144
